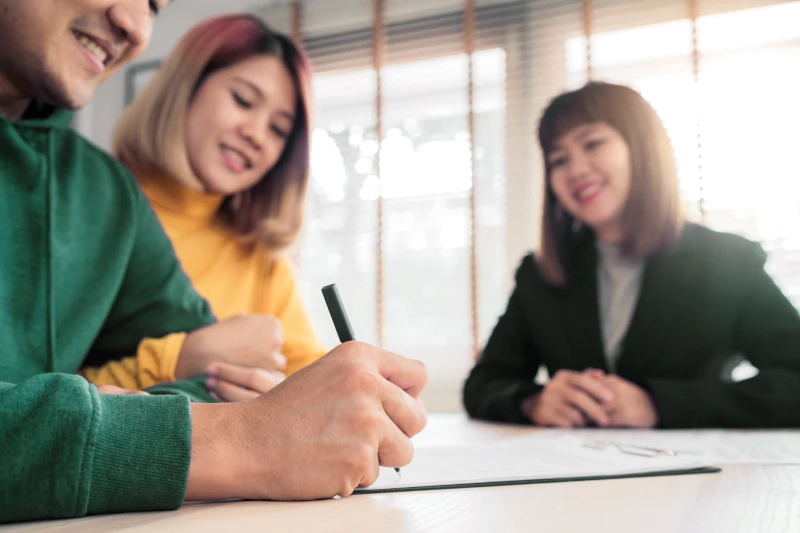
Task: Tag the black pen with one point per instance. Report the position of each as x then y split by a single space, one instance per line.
339 317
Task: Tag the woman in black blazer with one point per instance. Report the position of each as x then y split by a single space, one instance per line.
629 307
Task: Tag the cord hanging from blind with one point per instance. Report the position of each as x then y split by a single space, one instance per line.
588 19
469 42
692 5
378 60
297 22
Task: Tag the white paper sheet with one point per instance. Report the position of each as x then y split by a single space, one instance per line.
719 447
526 458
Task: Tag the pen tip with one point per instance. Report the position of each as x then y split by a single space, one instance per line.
397 470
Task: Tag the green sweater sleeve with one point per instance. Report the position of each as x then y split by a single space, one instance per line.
504 375
69 451
155 298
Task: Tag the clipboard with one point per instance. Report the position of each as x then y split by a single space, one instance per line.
524 461
510 482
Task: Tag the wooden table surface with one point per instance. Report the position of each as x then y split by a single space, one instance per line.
741 498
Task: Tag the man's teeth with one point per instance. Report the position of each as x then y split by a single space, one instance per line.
238 157
90 45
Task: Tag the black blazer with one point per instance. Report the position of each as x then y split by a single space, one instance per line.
706 298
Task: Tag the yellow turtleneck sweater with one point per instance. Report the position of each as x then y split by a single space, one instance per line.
233 277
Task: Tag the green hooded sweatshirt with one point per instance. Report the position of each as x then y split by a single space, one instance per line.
86 272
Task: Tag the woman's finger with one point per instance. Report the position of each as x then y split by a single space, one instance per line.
229 392
255 379
572 415
557 419
594 386
111 389
280 361
588 406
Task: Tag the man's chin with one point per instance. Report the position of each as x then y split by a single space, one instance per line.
67 92
73 99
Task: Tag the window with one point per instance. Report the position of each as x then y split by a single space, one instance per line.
427 174
426 182
734 136
744 107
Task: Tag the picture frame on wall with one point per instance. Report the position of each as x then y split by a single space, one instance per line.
138 76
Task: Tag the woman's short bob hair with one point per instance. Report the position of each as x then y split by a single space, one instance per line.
653 216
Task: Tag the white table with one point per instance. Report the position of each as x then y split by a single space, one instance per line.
739 499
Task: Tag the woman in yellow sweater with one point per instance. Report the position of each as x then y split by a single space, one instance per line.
219 142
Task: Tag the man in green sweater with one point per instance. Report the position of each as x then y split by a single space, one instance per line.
85 270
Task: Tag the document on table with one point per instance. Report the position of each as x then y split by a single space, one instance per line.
714 446
528 459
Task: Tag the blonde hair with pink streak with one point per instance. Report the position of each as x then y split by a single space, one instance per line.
150 136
